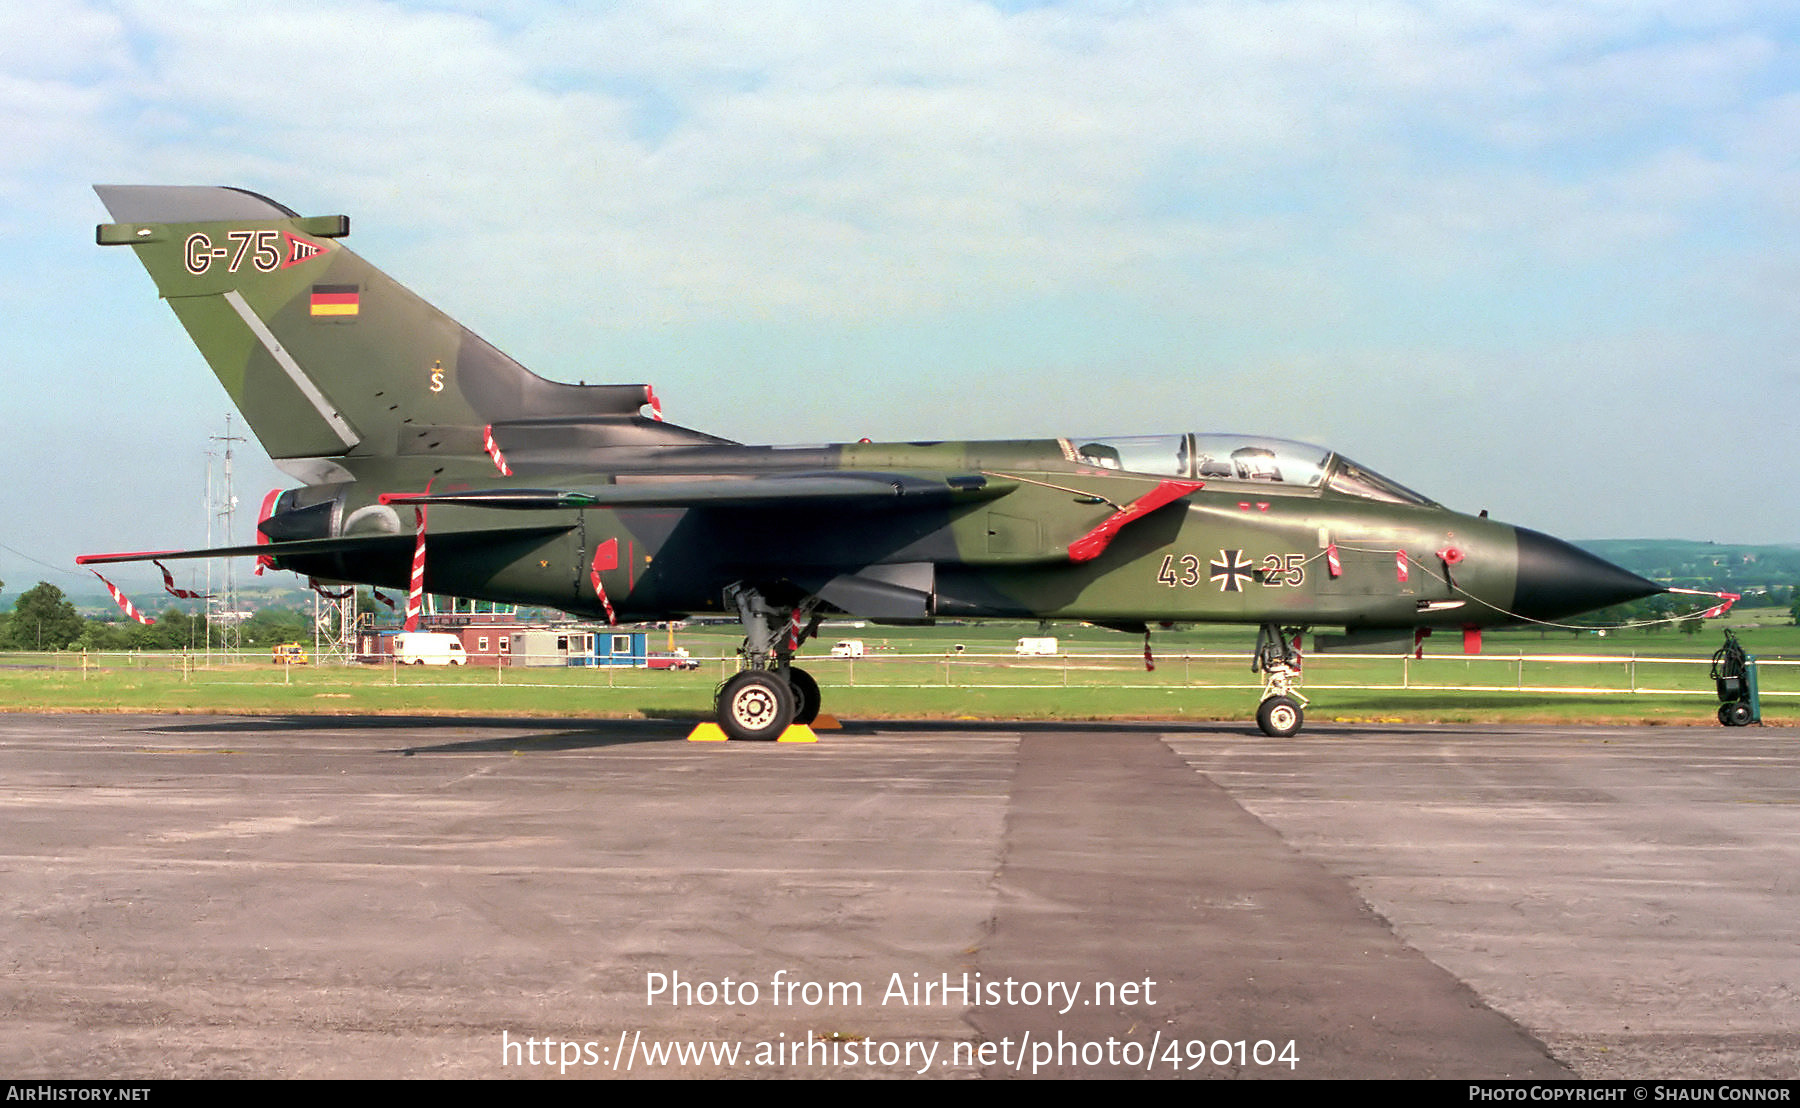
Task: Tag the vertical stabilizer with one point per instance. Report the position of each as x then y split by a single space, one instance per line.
325 355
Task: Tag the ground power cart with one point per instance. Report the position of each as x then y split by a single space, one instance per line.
1734 674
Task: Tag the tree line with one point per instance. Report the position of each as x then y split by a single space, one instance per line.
42 618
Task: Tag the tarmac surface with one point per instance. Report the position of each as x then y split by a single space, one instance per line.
194 896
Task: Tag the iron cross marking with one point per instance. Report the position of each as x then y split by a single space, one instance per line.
1231 571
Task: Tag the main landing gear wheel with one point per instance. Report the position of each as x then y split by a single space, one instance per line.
806 695
1280 717
755 704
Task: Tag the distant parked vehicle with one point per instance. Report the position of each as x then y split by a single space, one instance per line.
290 653
677 660
1035 646
848 648
429 648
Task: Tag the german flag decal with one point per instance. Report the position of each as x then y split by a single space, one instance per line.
336 300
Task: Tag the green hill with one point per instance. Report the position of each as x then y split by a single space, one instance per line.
1764 575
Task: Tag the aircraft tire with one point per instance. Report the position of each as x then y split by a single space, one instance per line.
1280 717
755 705
807 697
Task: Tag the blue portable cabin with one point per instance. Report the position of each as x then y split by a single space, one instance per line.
618 648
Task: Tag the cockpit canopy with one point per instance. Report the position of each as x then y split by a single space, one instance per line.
1245 458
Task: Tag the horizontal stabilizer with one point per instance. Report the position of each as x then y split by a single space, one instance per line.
311 548
352 544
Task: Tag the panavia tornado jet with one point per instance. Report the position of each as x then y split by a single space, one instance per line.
431 461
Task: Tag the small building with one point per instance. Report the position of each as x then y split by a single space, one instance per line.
574 646
484 644
486 630
375 644
621 648
563 646
493 635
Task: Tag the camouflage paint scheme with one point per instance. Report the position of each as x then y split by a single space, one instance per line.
362 390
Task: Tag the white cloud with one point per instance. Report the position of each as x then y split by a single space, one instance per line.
1142 189
906 157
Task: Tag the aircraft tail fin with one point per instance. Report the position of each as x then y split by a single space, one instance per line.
329 358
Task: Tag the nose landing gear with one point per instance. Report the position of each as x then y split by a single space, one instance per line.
1283 709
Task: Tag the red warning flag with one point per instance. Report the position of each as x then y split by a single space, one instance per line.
179 594
415 596
1331 561
1718 610
606 558
124 605
1400 565
493 449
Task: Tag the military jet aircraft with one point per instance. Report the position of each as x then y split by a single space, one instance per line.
431 461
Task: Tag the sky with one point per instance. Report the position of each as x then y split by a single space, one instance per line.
1537 257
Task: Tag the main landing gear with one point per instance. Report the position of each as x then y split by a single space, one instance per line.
770 692
1283 708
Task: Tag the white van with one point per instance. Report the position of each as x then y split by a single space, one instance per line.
429 648
1033 646
848 648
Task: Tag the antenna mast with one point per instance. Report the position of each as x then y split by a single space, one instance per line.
227 616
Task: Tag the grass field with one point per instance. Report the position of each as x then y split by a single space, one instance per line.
920 673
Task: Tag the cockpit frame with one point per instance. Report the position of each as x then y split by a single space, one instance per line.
1240 459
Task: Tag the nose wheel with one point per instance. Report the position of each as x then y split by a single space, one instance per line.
1283 709
1280 716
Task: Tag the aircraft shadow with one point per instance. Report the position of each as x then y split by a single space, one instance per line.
532 744
547 734
1233 729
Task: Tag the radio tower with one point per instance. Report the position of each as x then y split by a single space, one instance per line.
223 610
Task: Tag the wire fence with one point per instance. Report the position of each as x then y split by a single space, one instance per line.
1523 673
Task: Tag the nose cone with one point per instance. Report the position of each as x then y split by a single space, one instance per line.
1557 580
